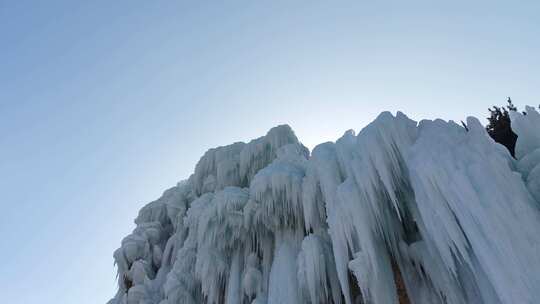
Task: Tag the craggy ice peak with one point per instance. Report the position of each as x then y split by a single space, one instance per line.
421 212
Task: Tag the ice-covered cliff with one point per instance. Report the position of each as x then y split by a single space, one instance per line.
443 213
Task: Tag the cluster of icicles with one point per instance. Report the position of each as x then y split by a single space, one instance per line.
446 209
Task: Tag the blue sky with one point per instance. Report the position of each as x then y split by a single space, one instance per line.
105 104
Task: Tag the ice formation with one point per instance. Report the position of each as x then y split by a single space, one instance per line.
443 210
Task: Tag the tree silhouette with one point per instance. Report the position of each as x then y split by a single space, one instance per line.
499 127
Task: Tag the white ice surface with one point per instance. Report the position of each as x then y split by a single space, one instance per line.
268 222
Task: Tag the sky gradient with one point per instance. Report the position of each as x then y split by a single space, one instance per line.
105 104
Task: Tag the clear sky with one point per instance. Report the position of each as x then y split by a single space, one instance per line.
105 104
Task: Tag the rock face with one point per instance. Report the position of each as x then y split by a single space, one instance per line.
402 212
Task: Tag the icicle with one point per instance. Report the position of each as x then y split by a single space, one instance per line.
317 277
528 148
252 280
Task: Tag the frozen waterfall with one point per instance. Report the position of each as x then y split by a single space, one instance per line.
442 210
